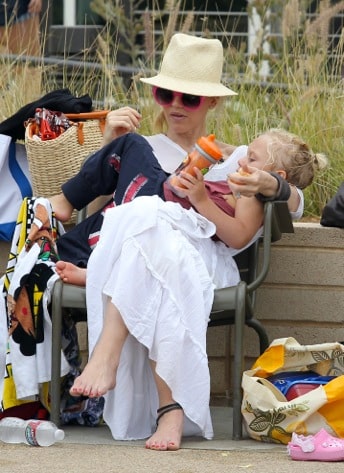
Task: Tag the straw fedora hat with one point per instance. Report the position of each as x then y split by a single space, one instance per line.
192 66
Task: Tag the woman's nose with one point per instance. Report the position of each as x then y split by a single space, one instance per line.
177 101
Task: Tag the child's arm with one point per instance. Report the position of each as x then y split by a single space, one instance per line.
236 231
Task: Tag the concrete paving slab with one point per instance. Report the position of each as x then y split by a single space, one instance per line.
90 450
222 421
81 458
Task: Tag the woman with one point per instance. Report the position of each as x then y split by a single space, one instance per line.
185 116
153 281
187 87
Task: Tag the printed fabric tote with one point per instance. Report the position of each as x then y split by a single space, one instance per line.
294 388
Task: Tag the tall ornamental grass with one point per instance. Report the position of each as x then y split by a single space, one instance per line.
301 89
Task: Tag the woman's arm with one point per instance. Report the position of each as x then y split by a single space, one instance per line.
260 182
265 186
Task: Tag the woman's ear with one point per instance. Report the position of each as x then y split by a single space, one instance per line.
213 102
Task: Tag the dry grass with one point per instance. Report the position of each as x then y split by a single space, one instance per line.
303 92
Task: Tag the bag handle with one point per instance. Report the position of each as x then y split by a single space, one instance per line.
79 118
95 115
277 393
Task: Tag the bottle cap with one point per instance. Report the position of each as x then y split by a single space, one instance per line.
59 435
207 143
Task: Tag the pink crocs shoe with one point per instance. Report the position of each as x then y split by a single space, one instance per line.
319 447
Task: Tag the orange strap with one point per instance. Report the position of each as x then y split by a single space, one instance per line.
95 115
79 118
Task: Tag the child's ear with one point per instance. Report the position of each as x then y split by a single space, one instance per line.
282 173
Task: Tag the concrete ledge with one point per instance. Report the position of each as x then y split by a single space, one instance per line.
302 297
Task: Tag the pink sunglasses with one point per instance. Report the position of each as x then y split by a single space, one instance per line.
165 97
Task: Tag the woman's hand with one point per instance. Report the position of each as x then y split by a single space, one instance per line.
120 121
254 181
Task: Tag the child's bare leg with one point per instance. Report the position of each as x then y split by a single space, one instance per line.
99 375
62 207
70 273
170 425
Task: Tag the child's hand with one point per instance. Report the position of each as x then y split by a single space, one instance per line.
194 188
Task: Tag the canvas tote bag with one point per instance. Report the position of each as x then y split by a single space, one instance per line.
53 162
269 416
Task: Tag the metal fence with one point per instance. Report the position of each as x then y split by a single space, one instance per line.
234 29
65 46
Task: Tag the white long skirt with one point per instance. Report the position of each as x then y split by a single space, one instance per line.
158 265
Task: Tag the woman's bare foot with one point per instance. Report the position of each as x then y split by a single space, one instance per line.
70 273
97 378
62 207
169 432
99 375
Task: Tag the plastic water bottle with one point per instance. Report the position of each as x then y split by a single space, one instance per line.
204 154
37 433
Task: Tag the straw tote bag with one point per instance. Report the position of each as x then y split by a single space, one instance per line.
269 416
53 162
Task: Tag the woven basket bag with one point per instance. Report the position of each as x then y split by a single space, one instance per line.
53 162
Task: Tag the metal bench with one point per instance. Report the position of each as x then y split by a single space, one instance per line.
232 306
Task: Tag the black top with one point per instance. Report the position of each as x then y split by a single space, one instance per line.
14 9
333 212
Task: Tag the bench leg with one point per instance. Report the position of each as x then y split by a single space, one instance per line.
56 319
238 360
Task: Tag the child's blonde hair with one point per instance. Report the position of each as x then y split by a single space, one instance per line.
290 153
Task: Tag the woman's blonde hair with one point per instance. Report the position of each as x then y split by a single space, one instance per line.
160 124
290 153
